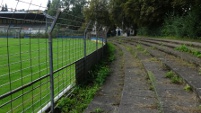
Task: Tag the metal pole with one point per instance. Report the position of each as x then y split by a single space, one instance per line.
102 38
51 61
107 29
96 38
85 37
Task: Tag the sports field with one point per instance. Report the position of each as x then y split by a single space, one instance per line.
23 61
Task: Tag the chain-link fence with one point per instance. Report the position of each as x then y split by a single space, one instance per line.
42 57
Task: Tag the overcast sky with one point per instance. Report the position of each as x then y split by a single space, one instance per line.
24 4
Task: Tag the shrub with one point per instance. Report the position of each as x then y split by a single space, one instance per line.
183 26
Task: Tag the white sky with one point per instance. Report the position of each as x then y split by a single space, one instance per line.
24 4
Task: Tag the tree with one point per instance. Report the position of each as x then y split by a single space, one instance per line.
152 14
54 7
4 8
98 11
48 4
116 12
73 11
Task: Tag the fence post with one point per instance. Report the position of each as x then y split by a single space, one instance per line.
85 37
103 38
107 29
97 36
51 60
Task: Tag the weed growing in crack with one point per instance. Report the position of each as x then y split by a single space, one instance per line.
151 88
184 48
132 51
199 71
139 47
151 80
154 59
144 51
169 74
188 88
173 77
196 53
176 80
98 110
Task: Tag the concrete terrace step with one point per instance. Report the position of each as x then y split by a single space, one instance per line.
136 96
127 90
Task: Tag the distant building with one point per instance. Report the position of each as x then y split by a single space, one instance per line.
119 31
32 21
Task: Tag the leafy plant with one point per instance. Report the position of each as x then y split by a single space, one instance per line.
151 80
169 74
188 88
174 78
196 53
183 48
98 110
139 47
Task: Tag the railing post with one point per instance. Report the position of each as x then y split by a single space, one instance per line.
102 38
85 38
51 60
107 29
97 37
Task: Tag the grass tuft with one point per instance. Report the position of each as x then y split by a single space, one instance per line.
174 78
98 110
183 48
199 70
169 74
188 88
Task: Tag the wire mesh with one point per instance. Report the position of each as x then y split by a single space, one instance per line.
25 55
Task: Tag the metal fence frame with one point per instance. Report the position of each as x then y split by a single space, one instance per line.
82 65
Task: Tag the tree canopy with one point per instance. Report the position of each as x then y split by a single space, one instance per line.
138 14
4 8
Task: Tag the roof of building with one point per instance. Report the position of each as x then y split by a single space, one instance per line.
24 15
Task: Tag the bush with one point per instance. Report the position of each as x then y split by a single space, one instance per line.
150 31
174 26
183 26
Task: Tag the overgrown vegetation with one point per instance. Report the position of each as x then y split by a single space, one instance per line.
173 77
179 18
184 48
83 94
152 80
139 47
